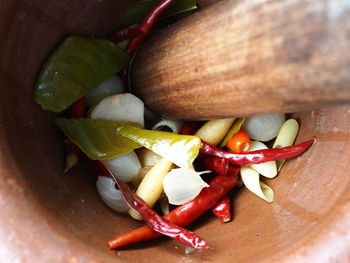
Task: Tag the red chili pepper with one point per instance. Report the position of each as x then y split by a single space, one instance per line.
125 34
147 25
222 209
259 156
184 214
155 221
188 128
77 109
239 142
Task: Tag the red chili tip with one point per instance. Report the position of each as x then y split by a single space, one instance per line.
202 245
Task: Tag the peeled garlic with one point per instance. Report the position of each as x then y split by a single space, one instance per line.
111 86
173 125
111 196
267 169
264 127
125 167
182 185
251 180
286 137
121 107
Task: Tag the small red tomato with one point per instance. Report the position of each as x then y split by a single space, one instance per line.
240 142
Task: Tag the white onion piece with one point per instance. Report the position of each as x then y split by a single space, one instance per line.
182 185
173 125
251 180
125 167
111 196
286 137
111 86
121 107
263 127
267 169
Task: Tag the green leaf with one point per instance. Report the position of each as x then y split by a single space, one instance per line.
78 65
105 139
136 12
98 139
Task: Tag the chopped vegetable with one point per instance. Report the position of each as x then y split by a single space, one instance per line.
184 214
234 129
251 180
104 139
98 139
110 86
240 142
286 137
151 186
179 149
156 222
126 167
214 131
110 195
263 127
136 12
124 107
77 66
182 185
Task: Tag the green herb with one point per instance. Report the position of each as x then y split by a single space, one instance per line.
78 65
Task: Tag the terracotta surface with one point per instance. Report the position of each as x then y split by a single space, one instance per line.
47 217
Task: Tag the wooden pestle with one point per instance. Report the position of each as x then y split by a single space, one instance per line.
238 58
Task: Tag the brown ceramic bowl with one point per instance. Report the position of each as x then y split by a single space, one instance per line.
47 217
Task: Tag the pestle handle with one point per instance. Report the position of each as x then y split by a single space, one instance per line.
238 58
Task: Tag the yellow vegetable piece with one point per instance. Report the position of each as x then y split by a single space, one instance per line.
214 131
151 187
251 180
286 137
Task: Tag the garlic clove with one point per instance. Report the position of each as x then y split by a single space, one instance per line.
263 127
121 107
182 185
111 196
110 86
125 167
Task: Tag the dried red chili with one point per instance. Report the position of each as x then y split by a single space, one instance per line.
147 25
184 214
259 156
154 220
